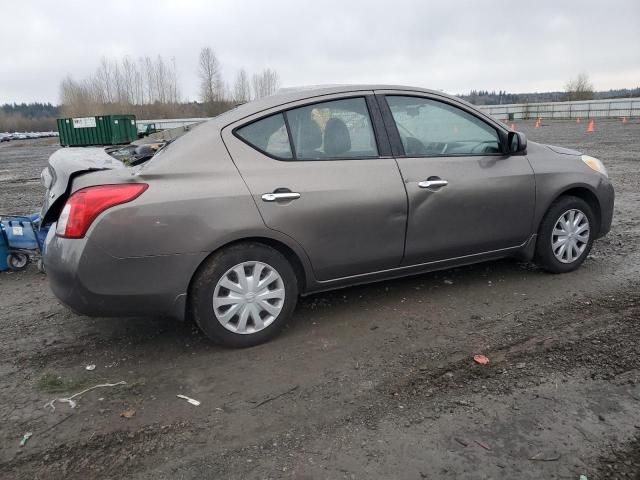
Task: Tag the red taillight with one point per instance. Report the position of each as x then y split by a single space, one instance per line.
85 205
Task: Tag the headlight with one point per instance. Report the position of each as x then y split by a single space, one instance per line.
595 164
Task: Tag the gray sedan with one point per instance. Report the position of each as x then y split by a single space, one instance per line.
310 190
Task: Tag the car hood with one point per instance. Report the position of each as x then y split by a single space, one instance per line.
562 150
67 163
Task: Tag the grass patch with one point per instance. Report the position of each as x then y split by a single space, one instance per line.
52 383
134 387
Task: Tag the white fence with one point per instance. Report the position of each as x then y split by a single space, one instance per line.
620 107
167 123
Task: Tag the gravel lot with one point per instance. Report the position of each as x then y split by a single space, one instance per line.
368 382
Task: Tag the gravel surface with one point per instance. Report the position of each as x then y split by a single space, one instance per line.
375 381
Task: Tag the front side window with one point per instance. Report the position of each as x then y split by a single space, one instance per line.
432 128
268 135
334 129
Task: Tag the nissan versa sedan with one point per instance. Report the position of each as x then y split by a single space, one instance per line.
310 190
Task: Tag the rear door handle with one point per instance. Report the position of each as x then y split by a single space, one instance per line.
433 183
274 197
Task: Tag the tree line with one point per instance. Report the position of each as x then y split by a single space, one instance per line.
149 88
28 117
577 88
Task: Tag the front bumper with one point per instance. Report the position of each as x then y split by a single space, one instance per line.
606 198
91 282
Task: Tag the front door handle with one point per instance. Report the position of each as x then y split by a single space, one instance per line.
435 183
274 197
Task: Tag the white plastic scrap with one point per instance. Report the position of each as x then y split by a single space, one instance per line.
70 400
25 438
190 400
90 367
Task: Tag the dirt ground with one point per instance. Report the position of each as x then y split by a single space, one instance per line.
368 382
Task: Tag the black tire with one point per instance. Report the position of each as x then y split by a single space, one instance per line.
545 257
17 261
213 269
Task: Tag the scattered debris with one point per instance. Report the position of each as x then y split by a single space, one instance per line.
583 477
483 445
270 399
128 413
538 458
70 400
448 282
91 367
481 359
521 365
25 438
190 400
462 442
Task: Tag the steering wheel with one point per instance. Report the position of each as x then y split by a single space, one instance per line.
482 146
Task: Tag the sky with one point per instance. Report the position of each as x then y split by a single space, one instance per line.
451 45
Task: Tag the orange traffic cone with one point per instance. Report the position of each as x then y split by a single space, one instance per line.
624 119
578 120
538 123
513 127
592 126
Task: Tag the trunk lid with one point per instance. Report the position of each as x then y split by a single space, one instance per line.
63 166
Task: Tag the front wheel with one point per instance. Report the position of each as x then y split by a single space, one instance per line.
244 295
565 236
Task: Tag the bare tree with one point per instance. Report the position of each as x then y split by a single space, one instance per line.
241 87
209 73
160 79
579 88
128 80
265 83
174 91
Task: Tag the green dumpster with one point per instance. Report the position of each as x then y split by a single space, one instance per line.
101 130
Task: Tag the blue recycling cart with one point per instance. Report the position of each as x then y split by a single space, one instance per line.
21 241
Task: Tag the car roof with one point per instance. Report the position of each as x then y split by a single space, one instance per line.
294 94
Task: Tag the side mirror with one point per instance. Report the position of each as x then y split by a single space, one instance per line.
516 142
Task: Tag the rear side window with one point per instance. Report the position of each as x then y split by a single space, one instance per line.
269 135
331 130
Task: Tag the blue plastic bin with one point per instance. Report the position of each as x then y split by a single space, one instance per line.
3 254
20 234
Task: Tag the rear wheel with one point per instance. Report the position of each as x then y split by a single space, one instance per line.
565 236
244 295
17 261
